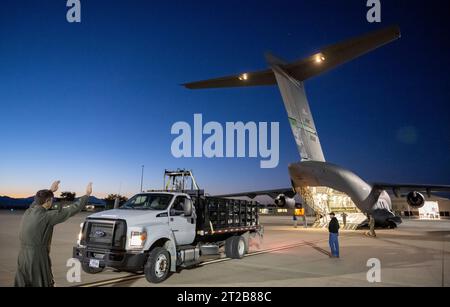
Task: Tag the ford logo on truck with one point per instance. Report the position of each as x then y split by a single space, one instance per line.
99 234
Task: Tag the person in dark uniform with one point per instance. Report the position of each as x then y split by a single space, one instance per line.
371 232
34 267
333 228
344 218
295 219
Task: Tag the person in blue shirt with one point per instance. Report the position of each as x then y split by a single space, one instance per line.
333 228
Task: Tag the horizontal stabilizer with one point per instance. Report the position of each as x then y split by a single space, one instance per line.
314 65
258 78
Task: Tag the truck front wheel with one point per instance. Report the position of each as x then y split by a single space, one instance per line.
157 268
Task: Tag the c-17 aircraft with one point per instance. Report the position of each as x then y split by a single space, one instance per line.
313 170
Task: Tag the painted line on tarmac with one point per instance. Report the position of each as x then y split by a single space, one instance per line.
139 276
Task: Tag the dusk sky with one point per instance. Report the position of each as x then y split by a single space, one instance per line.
96 100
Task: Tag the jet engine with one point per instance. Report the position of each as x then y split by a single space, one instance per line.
285 202
415 200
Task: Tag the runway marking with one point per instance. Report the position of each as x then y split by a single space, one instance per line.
139 276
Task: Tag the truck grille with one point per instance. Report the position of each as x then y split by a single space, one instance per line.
105 233
101 233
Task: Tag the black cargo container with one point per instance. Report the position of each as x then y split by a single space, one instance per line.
223 216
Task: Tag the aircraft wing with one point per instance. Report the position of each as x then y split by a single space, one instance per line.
398 188
314 65
289 192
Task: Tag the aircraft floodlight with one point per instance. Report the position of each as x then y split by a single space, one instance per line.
320 58
243 77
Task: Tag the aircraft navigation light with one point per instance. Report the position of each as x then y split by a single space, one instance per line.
320 58
243 77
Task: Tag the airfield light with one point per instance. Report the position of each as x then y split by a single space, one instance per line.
243 77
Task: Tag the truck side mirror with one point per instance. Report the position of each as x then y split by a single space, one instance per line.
187 208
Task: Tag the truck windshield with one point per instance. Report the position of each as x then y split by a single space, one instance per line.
148 202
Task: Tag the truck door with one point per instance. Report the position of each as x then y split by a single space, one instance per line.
183 227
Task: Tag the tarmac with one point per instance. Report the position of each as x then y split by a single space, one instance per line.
415 254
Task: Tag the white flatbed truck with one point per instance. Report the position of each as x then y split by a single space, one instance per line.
160 232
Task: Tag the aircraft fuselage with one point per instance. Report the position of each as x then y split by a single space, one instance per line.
368 199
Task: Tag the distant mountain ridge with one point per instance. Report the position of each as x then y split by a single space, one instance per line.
7 202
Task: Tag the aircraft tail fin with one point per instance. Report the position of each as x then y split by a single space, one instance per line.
299 115
274 60
290 77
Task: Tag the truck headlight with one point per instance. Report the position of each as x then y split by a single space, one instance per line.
80 234
138 238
